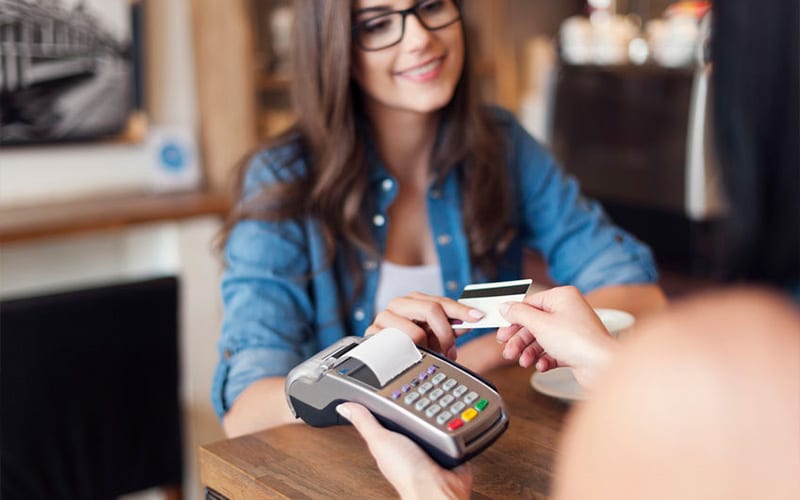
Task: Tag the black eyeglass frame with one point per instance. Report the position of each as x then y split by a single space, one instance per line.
405 12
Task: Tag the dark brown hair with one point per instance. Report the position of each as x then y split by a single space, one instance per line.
331 131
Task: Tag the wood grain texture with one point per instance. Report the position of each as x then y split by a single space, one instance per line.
226 84
299 461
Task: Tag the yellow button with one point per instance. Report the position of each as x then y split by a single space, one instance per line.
468 414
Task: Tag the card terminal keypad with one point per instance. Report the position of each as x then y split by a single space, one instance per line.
434 395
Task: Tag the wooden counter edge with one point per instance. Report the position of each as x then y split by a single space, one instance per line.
228 480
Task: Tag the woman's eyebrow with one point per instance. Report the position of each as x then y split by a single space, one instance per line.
368 10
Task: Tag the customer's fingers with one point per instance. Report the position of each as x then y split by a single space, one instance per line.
524 314
531 354
504 333
402 462
516 344
556 299
364 422
545 363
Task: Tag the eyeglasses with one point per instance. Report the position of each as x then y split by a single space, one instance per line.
387 29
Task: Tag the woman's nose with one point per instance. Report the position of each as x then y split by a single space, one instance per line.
416 36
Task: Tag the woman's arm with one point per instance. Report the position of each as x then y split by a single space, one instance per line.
269 313
579 244
262 405
636 299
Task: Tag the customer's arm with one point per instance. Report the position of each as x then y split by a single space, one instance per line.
404 464
703 403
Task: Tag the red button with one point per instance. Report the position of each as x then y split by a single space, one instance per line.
455 424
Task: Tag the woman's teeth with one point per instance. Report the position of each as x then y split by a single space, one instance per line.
423 69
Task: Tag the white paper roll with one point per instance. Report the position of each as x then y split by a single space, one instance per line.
387 353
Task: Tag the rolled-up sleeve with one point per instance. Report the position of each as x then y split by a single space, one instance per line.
268 314
580 244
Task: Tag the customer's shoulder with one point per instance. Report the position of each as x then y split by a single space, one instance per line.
741 321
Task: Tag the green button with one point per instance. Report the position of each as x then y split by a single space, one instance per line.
480 405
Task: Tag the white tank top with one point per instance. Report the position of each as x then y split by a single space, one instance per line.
396 281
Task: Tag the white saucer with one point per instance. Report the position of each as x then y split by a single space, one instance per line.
558 383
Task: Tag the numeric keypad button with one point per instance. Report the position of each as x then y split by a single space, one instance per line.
422 403
411 397
446 400
432 410
472 396
427 386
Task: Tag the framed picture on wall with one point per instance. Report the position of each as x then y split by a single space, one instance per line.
69 69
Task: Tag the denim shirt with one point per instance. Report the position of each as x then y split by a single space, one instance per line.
282 301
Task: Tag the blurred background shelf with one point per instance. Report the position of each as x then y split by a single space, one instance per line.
68 218
273 83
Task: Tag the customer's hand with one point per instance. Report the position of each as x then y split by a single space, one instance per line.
404 464
426 319
557 327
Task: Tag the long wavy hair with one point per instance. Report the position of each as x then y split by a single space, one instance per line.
331 130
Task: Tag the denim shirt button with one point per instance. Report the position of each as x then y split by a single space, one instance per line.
618 238
443 239
386 185
379 220
359 315
452 285
227 354
435 194
370 265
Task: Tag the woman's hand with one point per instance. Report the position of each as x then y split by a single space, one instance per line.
557 327
426 319
404 464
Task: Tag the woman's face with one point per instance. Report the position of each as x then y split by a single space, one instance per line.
420 72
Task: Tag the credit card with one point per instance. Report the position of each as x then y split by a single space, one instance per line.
488 297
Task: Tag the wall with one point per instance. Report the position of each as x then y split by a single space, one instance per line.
64 172
182 248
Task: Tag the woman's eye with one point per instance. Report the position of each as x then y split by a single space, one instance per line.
431 7
377 26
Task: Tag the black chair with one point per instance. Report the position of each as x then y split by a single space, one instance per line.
89 401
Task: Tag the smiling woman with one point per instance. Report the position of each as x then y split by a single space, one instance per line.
420 75
393 160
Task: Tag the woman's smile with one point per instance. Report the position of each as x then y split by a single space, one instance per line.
425 72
